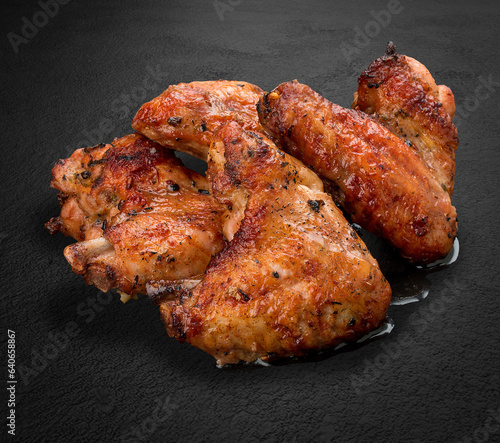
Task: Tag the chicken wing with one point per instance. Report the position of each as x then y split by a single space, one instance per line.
294 278
378 179
138 214
402 95
186 115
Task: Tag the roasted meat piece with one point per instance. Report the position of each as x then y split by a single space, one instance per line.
400 93
294 278
377 178
138 214
186 115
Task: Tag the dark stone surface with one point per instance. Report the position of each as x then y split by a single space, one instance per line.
79 81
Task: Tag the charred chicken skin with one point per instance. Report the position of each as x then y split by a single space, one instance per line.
186 115
294 278
378 179
138 214
400 93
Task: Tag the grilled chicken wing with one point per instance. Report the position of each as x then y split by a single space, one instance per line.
402 95
294 278
138 214
186 115
377 178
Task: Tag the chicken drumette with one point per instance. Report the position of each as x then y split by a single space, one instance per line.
294 278
377 178
138 214
400 93
186 115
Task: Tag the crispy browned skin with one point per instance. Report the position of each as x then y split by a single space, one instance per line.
378 179
402 95
139 215
186 115
294 278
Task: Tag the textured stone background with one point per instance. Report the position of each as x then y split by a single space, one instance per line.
80 79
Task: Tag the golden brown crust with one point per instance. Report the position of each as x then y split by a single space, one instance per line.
402 95
295 277
378 179
138 214
185 116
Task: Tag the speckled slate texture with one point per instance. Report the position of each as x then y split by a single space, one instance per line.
115 375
